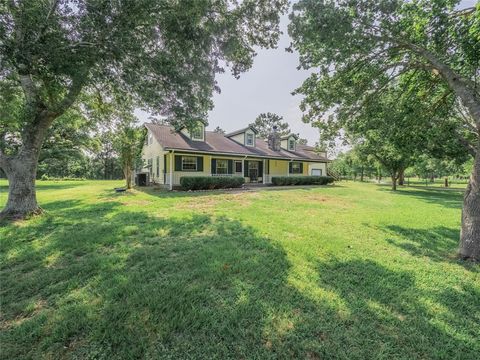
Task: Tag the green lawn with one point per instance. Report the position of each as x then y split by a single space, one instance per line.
350 271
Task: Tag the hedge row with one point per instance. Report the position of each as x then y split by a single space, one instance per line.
210 182
301 180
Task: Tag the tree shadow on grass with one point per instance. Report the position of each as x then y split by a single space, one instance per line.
390 317
96 281
438 244
447 198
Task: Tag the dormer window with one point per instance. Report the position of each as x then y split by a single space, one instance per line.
244 136
197 132
291 144
249 141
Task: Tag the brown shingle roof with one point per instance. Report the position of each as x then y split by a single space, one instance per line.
219 143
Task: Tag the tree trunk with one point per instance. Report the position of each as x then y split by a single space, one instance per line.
21 171
394 183
470 231
401 177
129 181
361 174
128 175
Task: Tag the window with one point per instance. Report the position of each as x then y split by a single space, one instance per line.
249 139
197 133
222 166
291 144
238 166
150 139
158 166
316 172
189 163
150 165
296 168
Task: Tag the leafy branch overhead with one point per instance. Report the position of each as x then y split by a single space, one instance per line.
358 47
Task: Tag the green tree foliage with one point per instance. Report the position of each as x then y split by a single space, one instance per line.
128 144
430 168
354 164
219 130
301 141
165 54
358 47
64 151
265 122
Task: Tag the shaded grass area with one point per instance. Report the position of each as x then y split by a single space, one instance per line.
352 271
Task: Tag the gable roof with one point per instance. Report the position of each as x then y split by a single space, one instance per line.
289 135
217 143
233 133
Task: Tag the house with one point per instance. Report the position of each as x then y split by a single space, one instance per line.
170 155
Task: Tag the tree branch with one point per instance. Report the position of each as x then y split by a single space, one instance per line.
29 89
53 8
467 145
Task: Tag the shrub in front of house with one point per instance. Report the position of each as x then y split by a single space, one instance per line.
301 180
210 182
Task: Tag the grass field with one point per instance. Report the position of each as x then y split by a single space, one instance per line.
425 183
351 271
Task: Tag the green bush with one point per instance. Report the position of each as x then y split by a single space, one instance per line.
210 182
301 180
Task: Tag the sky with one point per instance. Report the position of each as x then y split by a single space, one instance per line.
266 87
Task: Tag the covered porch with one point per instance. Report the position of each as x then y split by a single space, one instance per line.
254 170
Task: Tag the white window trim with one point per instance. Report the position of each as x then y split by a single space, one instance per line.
201 130
295 164
189 157
226 166
238 162
291 148
246 139
150 166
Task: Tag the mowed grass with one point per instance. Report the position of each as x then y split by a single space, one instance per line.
350 271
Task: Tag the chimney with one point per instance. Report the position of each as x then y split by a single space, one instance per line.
274 139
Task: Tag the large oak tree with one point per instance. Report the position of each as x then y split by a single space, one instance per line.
163 53
358 47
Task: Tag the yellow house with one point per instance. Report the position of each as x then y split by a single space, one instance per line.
169 155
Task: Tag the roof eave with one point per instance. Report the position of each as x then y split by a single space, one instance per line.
245 155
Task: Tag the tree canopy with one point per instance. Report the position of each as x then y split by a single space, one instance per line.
265 122
358 47
163 54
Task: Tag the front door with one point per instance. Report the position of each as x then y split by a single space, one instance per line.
253 171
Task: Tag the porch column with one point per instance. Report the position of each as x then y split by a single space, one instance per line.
264 172
243 168
171 170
